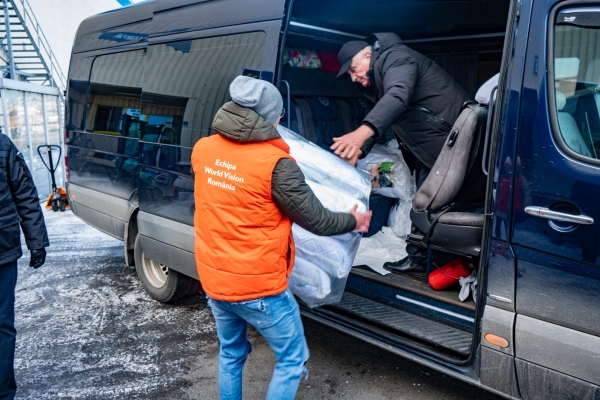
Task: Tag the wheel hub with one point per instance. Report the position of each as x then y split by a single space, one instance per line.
155 272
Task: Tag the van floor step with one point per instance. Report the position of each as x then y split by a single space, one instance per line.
407 323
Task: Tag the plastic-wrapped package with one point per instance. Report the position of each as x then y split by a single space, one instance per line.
326 168
390 176
330 253
309 282
322 263
399 219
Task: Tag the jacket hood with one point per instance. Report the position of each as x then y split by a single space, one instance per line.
243 124
385 39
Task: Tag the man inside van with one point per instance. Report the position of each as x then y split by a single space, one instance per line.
248 191
19 205
412 95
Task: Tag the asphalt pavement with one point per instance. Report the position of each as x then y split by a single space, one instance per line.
87 330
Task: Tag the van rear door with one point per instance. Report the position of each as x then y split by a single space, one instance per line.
555 206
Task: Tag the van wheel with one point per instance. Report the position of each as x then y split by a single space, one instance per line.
161 283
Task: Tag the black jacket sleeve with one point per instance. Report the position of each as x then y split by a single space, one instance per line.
399 80
26 199
296 199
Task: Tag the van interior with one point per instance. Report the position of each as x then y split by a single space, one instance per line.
465 38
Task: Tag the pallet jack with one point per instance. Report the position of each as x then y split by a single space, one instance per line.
57 200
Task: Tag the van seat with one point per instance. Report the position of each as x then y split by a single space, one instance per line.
462 218
443 218
359 110
320 115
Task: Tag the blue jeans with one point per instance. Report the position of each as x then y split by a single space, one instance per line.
277 319
8 334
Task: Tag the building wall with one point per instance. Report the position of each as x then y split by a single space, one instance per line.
59 20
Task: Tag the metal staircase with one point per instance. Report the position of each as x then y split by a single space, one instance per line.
25 53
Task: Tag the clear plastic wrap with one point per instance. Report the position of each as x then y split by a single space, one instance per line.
323 263
399 219
389 174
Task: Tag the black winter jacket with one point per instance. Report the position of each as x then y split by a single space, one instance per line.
406 81
19 203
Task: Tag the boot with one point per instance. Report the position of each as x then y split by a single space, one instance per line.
405 265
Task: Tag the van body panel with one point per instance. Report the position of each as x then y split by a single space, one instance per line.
100 201
501 268
500 323
501 276
166 231
498 372
215 14
101 221
559 291
271 29
164 5
565 350
171 256
92 207
558 272
114 28
539 383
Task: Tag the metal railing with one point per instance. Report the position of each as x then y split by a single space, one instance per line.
32 28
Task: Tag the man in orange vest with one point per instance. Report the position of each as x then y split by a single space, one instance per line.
248 192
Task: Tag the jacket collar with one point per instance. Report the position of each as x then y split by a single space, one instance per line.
381 42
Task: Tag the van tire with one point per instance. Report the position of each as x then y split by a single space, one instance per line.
159 281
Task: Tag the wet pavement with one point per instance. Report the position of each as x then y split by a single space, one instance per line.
87 330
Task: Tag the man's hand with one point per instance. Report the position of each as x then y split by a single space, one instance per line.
38 258
363 220
348 146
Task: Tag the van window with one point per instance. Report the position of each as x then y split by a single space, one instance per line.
186 82
577 80
114 95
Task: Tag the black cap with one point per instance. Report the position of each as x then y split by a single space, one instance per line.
347 53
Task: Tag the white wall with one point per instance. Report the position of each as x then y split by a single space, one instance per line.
59 20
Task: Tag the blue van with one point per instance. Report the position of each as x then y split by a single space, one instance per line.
145 82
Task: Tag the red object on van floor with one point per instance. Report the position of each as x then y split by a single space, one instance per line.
329 61
449 274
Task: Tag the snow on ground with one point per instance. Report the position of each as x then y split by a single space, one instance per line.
87 329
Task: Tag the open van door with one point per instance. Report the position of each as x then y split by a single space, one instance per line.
555 217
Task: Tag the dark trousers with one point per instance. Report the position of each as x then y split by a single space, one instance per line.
419 255
8 334
421 173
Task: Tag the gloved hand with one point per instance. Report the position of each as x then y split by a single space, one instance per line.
38 258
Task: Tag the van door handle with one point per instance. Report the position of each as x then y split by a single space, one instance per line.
546 213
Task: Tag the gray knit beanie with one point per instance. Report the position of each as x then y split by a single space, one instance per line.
259 95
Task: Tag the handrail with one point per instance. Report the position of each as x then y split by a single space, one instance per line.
39 41
492 103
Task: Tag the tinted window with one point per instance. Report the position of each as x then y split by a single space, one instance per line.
577 80
186 82
114 95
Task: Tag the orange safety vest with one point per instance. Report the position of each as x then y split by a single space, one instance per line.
244 244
